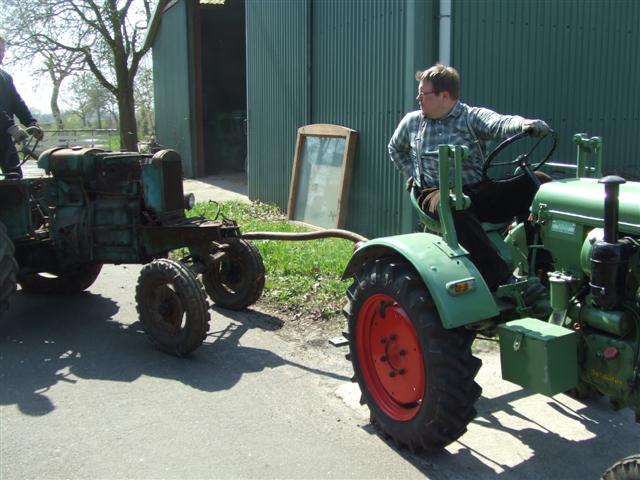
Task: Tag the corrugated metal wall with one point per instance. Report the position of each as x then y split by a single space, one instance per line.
174 86
575 64
362 62
351 63
359 80
277 93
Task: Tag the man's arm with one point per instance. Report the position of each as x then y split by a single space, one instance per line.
494 126
14 102
400 148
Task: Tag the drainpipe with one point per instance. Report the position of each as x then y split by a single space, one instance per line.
444 40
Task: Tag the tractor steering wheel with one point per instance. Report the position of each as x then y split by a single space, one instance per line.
522 160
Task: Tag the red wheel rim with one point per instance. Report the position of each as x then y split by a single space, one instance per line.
390 357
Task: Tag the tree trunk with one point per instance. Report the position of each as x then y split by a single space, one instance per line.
55 110
128 124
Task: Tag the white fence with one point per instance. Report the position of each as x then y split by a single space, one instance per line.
95 138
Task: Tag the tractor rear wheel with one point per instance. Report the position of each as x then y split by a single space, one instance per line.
8 269
237 280
66 282
416 377
172 307
626 469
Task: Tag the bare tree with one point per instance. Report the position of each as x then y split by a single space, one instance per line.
59 65
144 100
45 59
89 100
112 36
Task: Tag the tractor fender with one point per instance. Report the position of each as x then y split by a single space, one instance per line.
440 268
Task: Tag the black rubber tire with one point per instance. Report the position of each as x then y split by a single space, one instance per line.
445 403
68 282
626 469
237 281
172 307
8 269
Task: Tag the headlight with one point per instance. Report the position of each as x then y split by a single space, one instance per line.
189 201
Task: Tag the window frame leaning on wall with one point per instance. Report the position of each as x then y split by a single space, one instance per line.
300 177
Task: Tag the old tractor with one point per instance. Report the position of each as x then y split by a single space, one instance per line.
417 302
96 207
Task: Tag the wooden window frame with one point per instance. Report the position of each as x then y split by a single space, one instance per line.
324 130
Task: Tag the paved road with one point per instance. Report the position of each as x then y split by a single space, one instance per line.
83 395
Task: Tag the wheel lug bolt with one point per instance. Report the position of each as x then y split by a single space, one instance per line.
402 353
393 338
392 373
383 340
383 358
402 371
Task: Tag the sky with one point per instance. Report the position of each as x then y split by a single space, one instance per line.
36 96
36 92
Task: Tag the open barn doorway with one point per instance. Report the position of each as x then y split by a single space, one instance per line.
223 83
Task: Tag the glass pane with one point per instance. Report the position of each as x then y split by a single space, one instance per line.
320 181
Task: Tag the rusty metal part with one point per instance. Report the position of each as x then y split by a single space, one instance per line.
330 233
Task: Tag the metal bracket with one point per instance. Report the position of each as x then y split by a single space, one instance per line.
517 343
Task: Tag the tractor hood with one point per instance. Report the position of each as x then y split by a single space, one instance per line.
581 201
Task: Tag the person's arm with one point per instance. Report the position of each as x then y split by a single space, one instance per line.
9 131
16 104
400 148
490 125
494 126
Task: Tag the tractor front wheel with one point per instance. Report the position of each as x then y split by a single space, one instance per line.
172 307
66 282
237 279
416 377
8 269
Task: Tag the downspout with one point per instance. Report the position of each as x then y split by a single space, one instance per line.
444 40
310 85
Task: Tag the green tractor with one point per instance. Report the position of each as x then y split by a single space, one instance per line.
417 302
95 207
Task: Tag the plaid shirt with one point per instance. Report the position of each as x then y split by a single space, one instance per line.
452 129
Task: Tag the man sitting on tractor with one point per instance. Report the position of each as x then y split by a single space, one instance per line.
11 104
444 119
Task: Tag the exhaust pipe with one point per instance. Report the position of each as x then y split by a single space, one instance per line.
609 258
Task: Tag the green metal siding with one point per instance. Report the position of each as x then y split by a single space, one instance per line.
172 73
352 63
362 63
574 64
359 76
277 93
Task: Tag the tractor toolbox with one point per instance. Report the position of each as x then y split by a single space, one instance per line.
539 356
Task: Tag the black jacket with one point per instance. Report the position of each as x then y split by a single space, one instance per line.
5 139
11 102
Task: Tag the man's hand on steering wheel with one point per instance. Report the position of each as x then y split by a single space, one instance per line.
536 127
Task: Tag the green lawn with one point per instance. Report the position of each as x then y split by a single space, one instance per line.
303 277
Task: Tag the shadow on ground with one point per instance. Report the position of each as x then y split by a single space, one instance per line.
527 446
49 339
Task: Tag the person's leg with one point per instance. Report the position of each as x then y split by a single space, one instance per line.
481 250
502 201
472 237
11 163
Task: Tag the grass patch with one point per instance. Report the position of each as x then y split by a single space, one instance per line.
303 277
